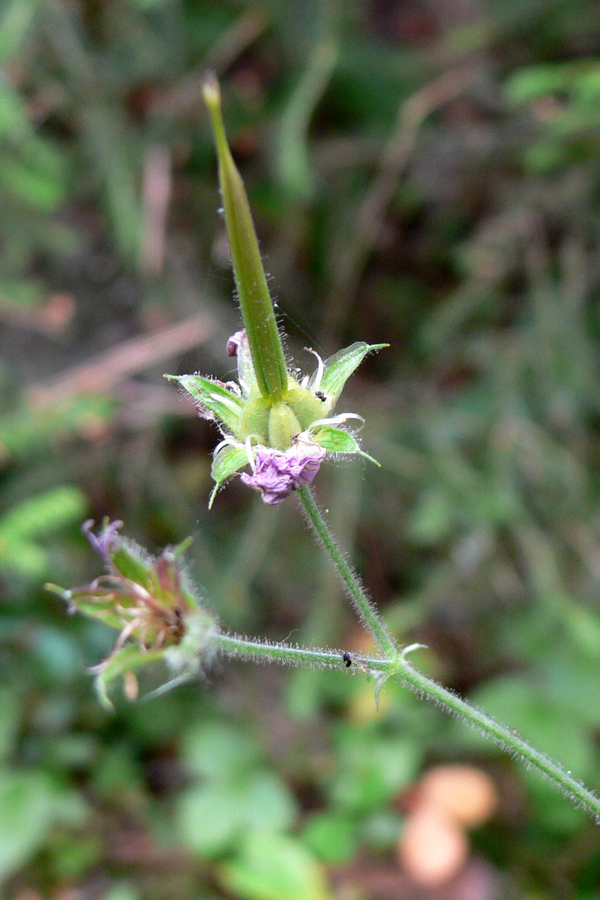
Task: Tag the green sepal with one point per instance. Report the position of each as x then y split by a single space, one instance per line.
97 603
131 562
125 660
168 582
103 610
226 462
338 369
245 367
255 419
215 400
334 440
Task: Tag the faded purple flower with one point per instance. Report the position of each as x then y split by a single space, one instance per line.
276 474
235 341
102 541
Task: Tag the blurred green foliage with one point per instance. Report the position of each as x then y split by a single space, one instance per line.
422 174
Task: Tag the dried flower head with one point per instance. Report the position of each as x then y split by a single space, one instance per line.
150 602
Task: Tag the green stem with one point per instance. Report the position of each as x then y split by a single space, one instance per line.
361 602
243 648
499 734
398 666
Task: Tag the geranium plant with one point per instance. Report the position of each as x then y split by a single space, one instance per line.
277 428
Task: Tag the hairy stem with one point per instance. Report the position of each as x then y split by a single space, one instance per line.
356 592
399 667
244 648
506 738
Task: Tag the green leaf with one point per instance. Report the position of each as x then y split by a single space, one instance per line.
216 750
13 112
22 434
372 768
339 367
14 24
274 867
236 792
211 816
215 400
33 520
226 462
10 717
32 186
208 818
27 807
269 803
127 659
42 515
123 891
333 837
530 82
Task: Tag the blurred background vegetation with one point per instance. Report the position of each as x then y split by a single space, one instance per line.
423 173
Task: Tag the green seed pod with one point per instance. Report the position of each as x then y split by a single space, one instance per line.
283 425
255 301
305 406
255 419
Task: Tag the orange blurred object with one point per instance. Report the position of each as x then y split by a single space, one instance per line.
465 793
433 847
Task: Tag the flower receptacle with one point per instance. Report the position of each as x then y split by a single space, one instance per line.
276 423
151 602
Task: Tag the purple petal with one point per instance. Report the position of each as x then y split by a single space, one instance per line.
102 541
234 342
309 457
276 474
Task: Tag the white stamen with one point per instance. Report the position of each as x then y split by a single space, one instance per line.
316 378
340 419
226 442
249 452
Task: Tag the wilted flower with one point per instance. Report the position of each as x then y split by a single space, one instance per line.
289 436
277 474
273 420
150 602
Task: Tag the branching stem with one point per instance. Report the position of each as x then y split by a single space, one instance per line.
395 663
398 666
